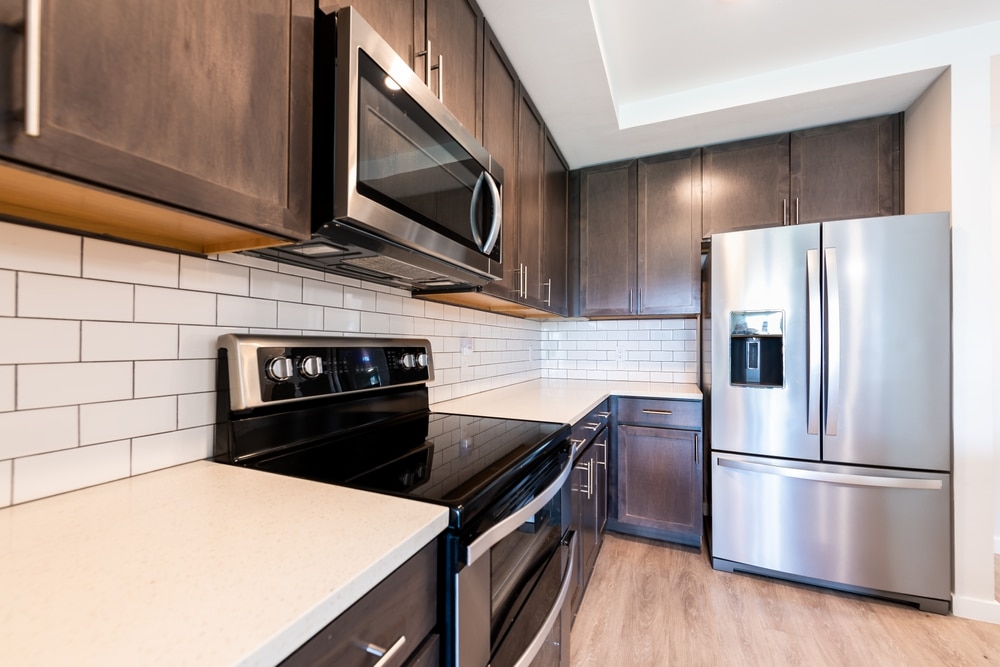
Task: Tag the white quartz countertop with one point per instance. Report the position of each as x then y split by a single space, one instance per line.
565 401
202 564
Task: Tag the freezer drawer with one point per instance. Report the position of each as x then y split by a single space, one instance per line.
881 531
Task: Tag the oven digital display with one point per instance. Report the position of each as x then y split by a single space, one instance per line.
362 368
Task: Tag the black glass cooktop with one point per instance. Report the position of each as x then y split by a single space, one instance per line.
464 462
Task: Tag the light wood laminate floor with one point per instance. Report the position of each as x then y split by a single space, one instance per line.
651 604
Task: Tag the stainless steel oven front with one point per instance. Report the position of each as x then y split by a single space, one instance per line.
507 586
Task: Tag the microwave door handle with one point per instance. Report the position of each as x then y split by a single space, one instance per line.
569 575
495 221
473 219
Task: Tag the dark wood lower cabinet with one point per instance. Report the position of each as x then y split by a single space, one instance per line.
657 487
404 605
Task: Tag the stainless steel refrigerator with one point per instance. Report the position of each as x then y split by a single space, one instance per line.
831 405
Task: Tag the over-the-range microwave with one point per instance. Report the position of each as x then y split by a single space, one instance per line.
403 193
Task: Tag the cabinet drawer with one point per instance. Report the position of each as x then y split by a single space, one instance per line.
403 605
587 428
660 412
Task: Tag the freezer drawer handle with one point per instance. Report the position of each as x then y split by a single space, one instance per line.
833 477
650 411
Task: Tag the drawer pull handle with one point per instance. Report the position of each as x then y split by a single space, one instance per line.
650 411
385 656
603 415
592 426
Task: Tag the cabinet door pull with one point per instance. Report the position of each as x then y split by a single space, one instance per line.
796 210
592 426
440 70
638 305
524 281
33 68
784 211
426 54
603 415
548 299
385 656
650 411
630 311
697 449
603 446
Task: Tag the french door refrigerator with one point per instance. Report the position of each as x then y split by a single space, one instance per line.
831 405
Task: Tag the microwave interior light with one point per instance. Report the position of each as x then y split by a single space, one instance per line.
391 84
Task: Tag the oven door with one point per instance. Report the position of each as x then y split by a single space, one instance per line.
509 585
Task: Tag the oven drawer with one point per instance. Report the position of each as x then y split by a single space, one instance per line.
655 412
404 605
585 430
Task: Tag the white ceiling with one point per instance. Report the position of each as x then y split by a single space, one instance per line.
622 78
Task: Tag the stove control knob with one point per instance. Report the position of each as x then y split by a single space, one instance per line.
422 360
311 367
279 369
408 361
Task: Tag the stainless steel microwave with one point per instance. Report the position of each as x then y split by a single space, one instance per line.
404 194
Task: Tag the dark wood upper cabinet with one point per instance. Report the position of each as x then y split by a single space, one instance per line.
745 184
202 107
835 172
401 23
529 198
669 234
555 211
455 34
849 170
500 104
608 239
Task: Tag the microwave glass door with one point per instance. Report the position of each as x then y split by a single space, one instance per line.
409 163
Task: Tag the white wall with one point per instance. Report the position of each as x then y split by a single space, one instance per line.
995 216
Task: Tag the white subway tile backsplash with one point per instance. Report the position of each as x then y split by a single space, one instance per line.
8 293
248 260
202 342
103 422
322 293
299 316
28 341
338 319
166 378
52 385
69 469
6 388
195 410
239 311
390 304
6 482
28 432
123 341
170 449
157 304
357 298
277 286
374 323
40 250
62 297
205 275
105 260
300 271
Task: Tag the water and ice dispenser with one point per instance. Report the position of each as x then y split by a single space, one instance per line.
756 348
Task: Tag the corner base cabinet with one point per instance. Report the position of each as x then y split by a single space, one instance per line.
657 485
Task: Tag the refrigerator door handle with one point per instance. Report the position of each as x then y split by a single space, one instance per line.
814 353
845 479
832 341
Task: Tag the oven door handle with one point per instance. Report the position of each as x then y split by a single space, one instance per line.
553 616
487 540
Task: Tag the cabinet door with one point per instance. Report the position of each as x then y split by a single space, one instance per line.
669 234
578 497
601 443
529 187
399 22
745 185
659 482
555 209
845 171
205 106
454 30
607 239
500 104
